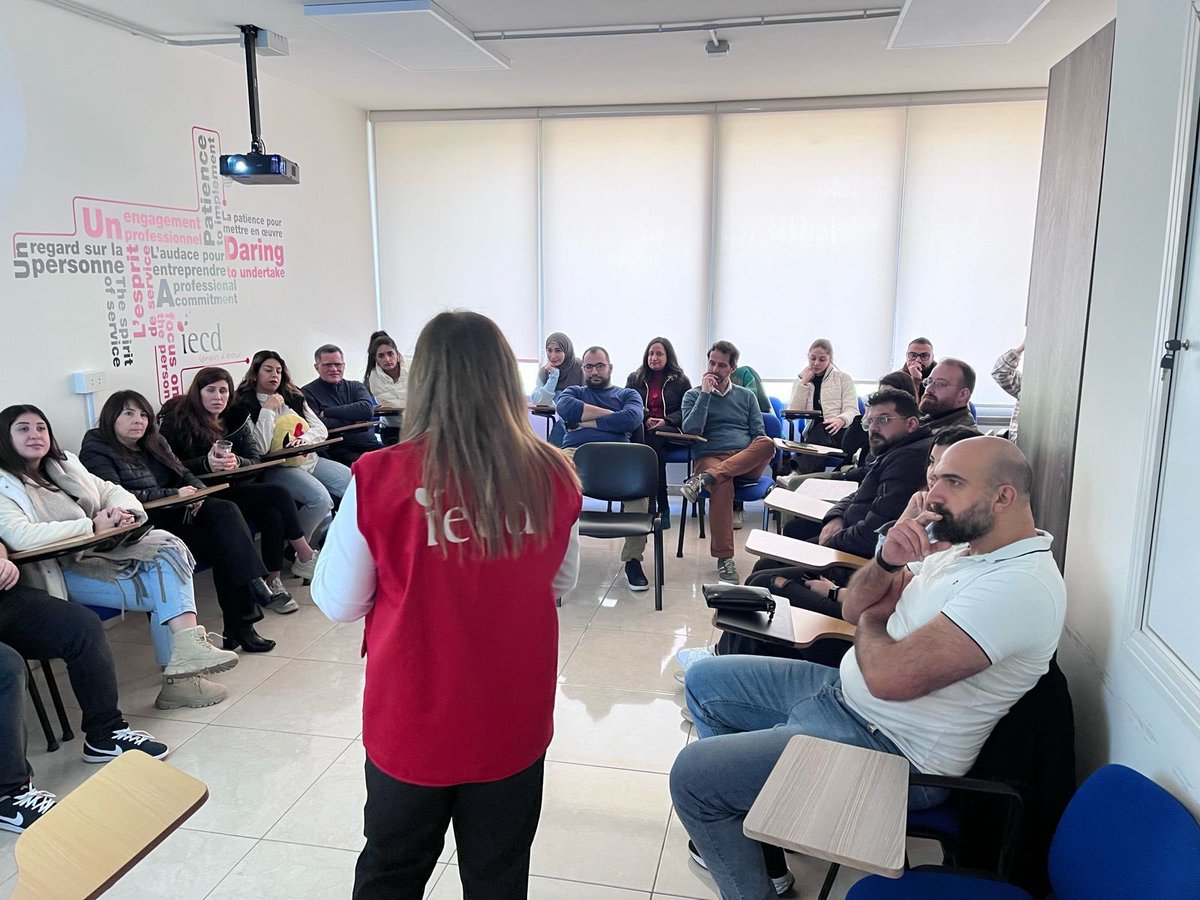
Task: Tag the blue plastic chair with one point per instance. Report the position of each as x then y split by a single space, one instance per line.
1122 837
974 411
753 491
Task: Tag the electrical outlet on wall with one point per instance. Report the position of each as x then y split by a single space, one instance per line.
88 382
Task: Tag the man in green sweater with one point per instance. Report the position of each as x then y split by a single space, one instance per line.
728 417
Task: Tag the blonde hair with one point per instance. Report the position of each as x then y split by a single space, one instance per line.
466 401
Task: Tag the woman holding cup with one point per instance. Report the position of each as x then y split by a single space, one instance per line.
207 440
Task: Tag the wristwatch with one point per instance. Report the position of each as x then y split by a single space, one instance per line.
834 592
884 564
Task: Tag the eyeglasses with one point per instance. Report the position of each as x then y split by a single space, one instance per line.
880 421
925 356
340 365
940 383
595 367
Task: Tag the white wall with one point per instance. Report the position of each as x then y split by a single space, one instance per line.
88 111
1122 713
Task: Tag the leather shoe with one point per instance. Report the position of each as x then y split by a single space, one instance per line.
247 638
260 593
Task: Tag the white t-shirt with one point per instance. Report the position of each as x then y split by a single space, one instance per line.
1011 602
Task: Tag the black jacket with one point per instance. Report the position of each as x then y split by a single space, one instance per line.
673 390
890 481
140 473
192 450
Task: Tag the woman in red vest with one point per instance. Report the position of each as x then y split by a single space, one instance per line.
453 544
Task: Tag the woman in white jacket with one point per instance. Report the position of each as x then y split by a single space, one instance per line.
387 380
826 388
266 393
47 496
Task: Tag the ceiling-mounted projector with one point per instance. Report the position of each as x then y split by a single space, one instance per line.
257 166
260 168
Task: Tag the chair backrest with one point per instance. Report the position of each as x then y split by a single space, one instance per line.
777 405
974 411
610 470
772 425
1123 836
96 834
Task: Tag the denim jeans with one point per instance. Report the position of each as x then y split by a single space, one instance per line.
314 491
174 598
746 709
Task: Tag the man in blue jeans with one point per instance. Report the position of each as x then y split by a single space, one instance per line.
951 633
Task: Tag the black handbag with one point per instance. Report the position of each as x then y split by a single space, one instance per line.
122 540
739 598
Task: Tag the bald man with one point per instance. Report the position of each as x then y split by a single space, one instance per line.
953 629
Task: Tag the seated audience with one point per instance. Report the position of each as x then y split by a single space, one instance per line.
918 364
266 396
728 416
34 625
46 496
830 391
661 383
450 739
340 402
951 633
125 448
1007 373
561 371
947 396
597 411
387 380
856 444
208 436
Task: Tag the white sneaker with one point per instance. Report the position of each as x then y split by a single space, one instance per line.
306 570
688 656
739 520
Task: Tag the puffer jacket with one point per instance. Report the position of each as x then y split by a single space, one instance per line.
22 529
890 481
138 472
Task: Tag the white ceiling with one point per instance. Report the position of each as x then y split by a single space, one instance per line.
812 60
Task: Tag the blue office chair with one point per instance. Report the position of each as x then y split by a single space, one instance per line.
755 490
1122 837
974 411
777 405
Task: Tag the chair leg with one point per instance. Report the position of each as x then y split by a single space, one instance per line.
700 515
40 708
658 568
830 878
56 699
683 517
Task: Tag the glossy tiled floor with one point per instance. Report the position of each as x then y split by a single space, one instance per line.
283 760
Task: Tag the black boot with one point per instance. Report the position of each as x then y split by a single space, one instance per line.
243 635
259 592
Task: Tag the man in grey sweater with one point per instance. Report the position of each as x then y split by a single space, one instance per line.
728 417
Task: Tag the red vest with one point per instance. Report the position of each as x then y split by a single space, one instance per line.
462 652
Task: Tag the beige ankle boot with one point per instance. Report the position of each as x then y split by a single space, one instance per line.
189 690
192 654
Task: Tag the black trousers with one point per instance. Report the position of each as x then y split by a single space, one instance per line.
274 511
405 825
38 626
219 536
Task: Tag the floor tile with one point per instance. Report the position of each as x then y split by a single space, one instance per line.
684 612
343 644
303 697
619 729
601 826
253 777
450 888
278 871
137 697
631 660
188 865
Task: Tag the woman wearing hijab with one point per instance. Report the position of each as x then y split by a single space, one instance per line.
562 370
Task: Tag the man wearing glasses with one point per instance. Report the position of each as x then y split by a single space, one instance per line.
340 402
918 363
597 411
947 397
900 448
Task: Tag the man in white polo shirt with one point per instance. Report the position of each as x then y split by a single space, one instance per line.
953 629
